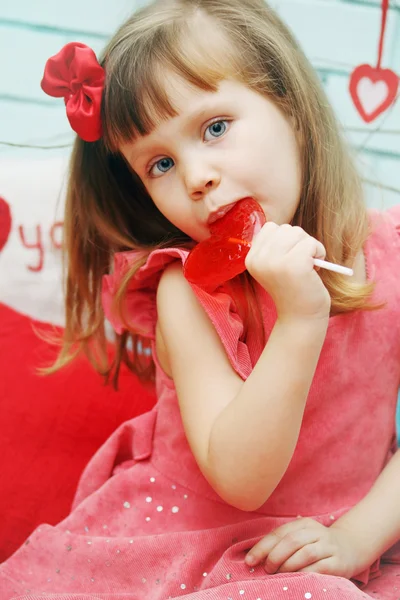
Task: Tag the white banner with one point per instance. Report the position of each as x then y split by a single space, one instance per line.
32 195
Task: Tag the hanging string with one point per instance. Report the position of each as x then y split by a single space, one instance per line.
385 8
35 146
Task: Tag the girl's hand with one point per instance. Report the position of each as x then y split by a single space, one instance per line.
281 259
306 545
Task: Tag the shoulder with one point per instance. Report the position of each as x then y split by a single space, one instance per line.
139 302
383 243
172 280
173 295
188 314
159 299
181 317
394 215
386 222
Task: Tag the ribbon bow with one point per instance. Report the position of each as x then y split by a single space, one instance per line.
75 75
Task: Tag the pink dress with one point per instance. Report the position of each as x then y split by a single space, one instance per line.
146 525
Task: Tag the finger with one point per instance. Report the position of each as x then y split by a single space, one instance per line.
266 232
262 548
307 555
326 566
269 541
278 239
293 544
320 251
262 242
301 257
310 246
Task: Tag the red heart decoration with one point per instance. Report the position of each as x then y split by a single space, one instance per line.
373 90
5 222
221 256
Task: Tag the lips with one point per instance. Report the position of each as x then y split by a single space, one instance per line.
220 213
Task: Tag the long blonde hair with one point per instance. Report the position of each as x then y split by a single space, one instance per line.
108 209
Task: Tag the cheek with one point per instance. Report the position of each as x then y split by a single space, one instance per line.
285 161
161 194
176 212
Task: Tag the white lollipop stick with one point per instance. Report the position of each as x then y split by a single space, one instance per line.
332 267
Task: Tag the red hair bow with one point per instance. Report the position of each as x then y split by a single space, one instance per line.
75 75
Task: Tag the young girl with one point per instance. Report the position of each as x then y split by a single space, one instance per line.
267 469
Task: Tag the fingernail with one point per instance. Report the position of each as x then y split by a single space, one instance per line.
250 559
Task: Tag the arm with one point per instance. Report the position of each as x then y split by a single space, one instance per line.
242 434
375 520
348 546
253 439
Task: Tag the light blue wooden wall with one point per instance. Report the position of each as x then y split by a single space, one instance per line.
337 35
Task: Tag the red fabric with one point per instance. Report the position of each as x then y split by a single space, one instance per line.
50 427
75 75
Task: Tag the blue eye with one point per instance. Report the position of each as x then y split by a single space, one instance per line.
217 129
163 165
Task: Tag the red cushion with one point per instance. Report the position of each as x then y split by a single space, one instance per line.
50 427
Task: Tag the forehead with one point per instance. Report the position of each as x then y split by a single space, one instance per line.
191 105
174 65
188 99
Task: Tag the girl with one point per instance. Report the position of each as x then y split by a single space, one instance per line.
267 468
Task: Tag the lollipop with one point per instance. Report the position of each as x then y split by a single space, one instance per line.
222 256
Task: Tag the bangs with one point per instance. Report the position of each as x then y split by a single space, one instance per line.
136 99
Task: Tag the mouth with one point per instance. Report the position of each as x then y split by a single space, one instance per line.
220 213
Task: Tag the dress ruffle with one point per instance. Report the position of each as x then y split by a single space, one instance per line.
140 305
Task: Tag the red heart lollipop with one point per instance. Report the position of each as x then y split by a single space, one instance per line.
221 256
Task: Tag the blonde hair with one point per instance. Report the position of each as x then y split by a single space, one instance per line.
108 209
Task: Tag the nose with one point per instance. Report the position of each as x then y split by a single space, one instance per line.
200 178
